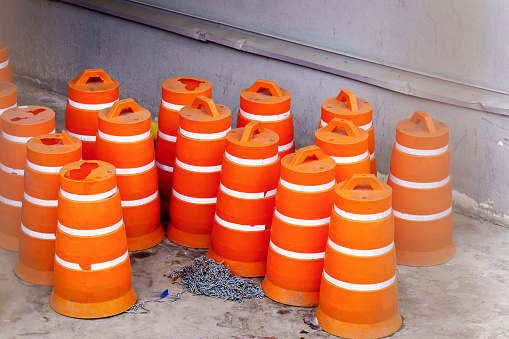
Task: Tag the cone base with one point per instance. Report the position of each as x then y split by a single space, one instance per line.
443 255
241 268
28 274
187 239
9 243
289 297
147 240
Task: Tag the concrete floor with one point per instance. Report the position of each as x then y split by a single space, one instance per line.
467 297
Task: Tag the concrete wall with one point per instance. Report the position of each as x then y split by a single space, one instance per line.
52 42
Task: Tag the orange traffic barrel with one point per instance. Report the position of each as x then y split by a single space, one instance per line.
8 97
245 201
200 147
359 294
92 267
360 111
422 193
89 93
5 65
124 139
46 155
177 93
19 125
347 145
266 102
300 226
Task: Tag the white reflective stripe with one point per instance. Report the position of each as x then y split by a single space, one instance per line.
89 138
428 217
87 198
247 195
419 185
199 169
301 222
11 170
4 64
239 227
40 202
10 202
91 107
372 156
361 253
349 160
167 137
164 167
359 287
171 106
39 235
93 267
131 203
364 127
19 140
125 139
251 162
265 118
5 109
67 264
90 233
306 188
192 200
362 217
136 170
44 169
204 136
285 147
297 255
421 152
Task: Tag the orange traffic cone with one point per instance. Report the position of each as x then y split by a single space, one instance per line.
347 145
266 102
92 267
360 111
18 126
46 154
201 143
422 192
8 97
177 93
5 65
89 93
124 139
359 294
299 227
245 201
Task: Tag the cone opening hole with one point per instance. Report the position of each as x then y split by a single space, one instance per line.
83 172
365 102
50 141
36 111
94 80
18 118
125 111
329 106
190 84
264 91
363 186
339 130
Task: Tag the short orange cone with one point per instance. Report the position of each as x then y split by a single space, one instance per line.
299 227
8 97
245 201
359 294
18 126
46 155
124 139
92 267
5 65
201 143
89 93
266 102
422 192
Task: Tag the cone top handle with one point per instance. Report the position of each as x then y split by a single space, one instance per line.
350 128
65 138
369 179
123 106
203 101
350 98
307 152
273 88
425 119
88 74
249 130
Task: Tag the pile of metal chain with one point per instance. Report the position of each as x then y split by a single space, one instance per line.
207 277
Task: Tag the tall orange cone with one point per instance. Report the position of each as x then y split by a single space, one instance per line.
92 267
245 201
359 294
299 227
124 139
8 97
422 193
46 155
5 65
177 93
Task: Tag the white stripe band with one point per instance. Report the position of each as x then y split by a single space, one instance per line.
164 167
265 118
40 202
359 287
361 253
91 107
372 156
428 217
171 106
90 233
285 147
19 140
419 185
124 139
38 235
4 64
363 217
2 110
139 202
246 195
11 170
89 138
136 170
301 222
364 127
349 160
204 136
198 169
88 198
251 162
10 202
93 267
421 152
306 188
297 255
192 200
239 227
166 137
44 169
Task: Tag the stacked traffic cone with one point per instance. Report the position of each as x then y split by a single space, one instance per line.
89 93
46 155
299 227
5 65
124 139
177 93
18 126
245 201
92 267
266 102
201 143
359 294
360 111
8 97
422 192
347 145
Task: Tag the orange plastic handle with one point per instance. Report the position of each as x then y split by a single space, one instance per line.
370 179
350 129
307 152
123 105
425 119
249 130
93 73
350 98
65 138
203 101
273 88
